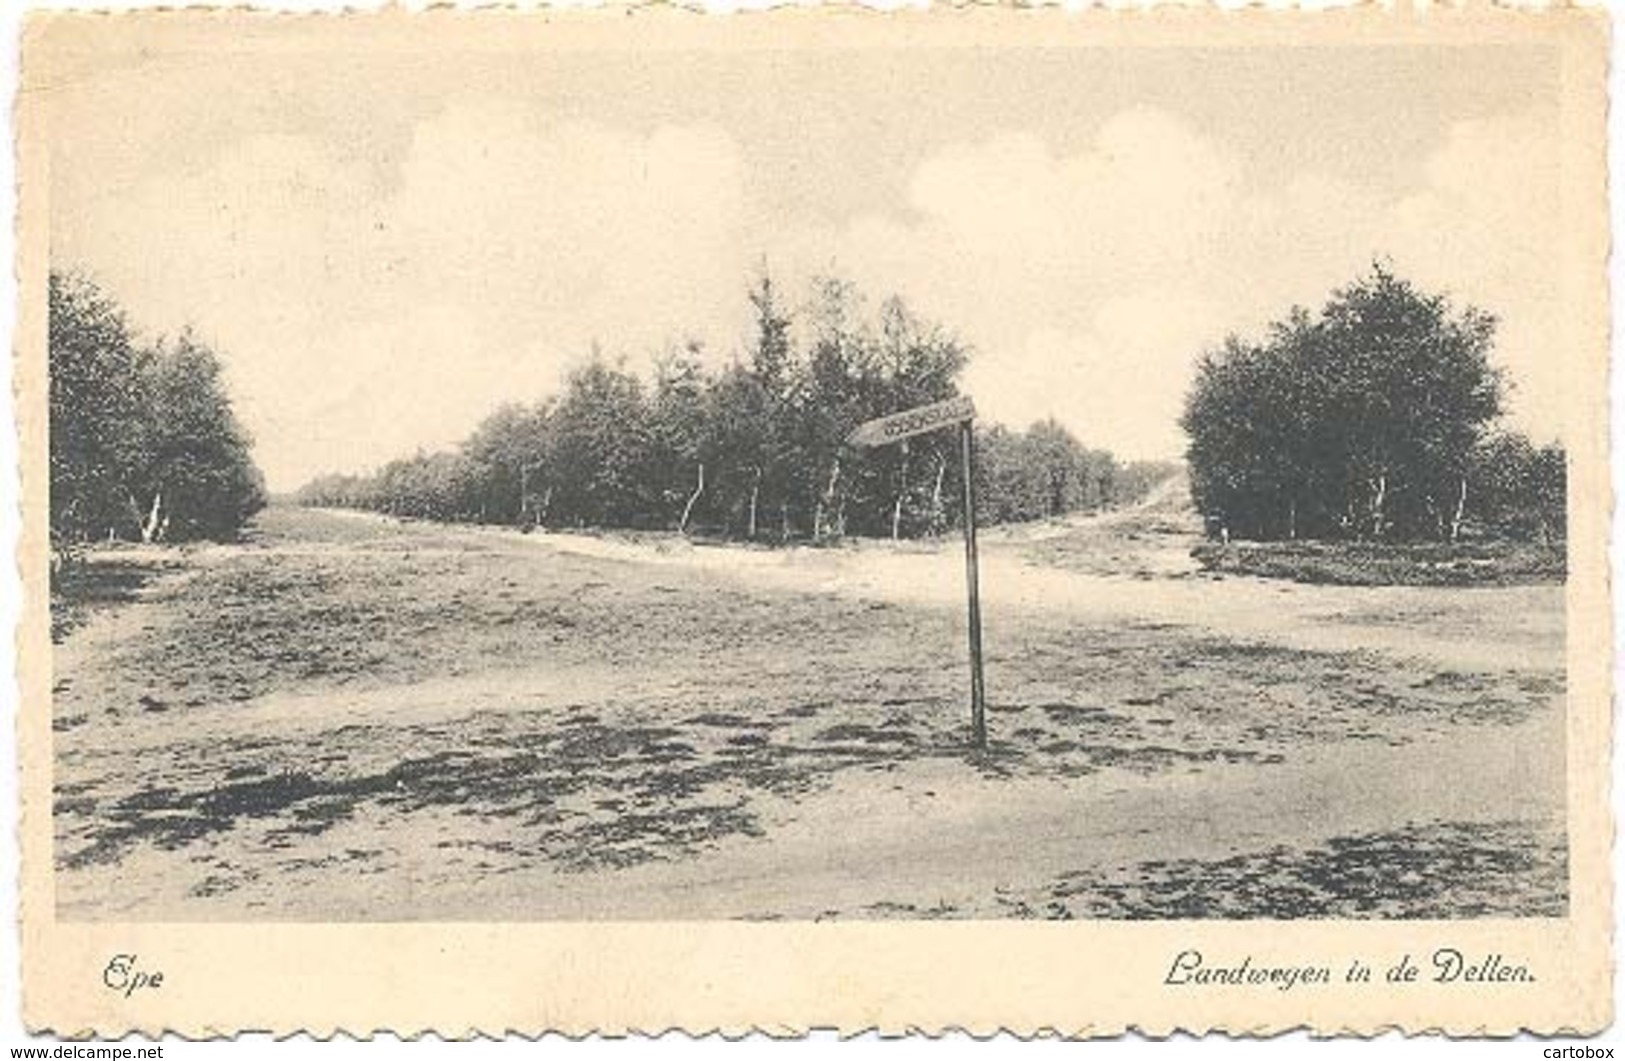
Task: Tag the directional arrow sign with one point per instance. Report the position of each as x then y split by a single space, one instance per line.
917 421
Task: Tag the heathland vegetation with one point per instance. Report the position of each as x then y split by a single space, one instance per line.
754 450
356 719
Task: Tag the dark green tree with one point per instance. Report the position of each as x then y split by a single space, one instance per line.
1518 490
510 450
678 456
600 450
199 479
144 442
98 428
1360 422
757 450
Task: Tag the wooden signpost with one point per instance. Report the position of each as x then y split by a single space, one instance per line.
917 421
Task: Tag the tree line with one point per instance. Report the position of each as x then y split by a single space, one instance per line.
144 444
1376 419
753 451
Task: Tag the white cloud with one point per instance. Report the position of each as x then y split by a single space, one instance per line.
376 324
1119 382
1078 278
258 230
1488 226
630 232
367 312
1090 283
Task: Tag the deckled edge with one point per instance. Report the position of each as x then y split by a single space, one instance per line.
31 215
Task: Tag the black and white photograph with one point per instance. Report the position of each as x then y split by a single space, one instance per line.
624 520
840 485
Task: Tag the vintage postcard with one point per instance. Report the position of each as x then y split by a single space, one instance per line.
984 519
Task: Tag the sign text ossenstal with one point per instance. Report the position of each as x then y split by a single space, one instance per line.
898 426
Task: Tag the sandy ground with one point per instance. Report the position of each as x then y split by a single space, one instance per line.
351 718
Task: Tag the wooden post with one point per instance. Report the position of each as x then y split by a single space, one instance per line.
897 427
978 718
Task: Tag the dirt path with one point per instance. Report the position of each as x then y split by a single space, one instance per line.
1481 627
950 844
353 718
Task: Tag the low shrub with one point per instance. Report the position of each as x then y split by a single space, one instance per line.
1483 563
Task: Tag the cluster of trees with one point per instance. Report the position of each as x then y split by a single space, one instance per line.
753 451
1520 490
143 441
1376 419
1045 472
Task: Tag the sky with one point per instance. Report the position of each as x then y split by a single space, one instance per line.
384 246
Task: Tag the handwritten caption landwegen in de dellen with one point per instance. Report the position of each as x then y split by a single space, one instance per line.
1445 965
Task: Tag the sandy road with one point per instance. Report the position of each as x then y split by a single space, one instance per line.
1474 628
350 718
928 837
